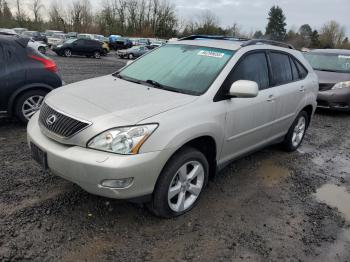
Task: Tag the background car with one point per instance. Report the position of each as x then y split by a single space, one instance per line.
7 31
133 52
85 36
56 39
26 76
72 35
121 43
50 33
20 30
35 35
84 47
333 69
39 46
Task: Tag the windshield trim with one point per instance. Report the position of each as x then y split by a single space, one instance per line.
172 89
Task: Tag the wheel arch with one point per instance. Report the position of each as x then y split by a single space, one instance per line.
309 109
22 90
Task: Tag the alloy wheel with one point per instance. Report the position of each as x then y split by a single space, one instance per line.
32 105
299 131
186 186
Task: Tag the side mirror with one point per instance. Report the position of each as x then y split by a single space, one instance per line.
244 89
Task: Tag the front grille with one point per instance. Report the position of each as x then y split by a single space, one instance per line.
63 126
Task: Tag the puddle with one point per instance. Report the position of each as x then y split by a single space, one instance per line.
272 173
335 196
306 149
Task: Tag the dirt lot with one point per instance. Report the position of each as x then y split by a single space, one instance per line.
270 206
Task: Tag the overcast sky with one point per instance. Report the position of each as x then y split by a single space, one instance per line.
252 14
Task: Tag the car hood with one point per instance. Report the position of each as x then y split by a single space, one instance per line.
328 79
110 98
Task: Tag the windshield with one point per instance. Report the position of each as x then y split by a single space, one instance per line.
329 62
181 68
69 41
58 36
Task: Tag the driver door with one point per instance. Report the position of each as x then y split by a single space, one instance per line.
249 121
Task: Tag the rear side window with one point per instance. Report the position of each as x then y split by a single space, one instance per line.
281 69
294 69
253 67
302 71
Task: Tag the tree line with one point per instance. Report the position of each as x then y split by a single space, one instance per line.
157 18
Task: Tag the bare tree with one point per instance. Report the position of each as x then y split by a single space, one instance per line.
332 35
20 14
36 6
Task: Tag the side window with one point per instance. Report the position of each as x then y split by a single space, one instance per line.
302 70
253 67
281 69
294 69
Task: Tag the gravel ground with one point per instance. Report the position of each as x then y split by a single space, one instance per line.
270 206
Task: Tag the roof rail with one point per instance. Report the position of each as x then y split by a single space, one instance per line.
213 37
268 42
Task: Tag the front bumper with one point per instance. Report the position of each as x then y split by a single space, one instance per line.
335 99
88 168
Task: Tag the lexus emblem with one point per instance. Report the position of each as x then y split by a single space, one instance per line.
51 119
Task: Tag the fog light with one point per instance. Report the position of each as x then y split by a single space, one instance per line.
117 183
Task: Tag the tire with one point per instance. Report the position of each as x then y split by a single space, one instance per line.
28 103
166 204
97 55
131 56
67 53
296 132
42 50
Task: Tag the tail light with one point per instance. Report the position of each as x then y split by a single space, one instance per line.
49 65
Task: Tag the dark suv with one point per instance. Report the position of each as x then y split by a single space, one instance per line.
26 76
85 47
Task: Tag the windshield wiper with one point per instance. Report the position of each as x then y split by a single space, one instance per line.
127 78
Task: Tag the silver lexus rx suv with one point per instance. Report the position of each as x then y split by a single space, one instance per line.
159 128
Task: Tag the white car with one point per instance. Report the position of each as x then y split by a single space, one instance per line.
56 39
40 46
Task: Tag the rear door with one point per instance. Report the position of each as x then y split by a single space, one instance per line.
79 47
289 90
3 78
249 120
15 73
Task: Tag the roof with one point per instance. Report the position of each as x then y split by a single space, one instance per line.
223 44
23 41
332 51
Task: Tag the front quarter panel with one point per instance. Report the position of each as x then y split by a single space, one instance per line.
179 126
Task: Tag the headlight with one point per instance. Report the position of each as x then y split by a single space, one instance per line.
341 85
123 140
59 46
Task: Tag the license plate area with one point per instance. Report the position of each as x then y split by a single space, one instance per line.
39 156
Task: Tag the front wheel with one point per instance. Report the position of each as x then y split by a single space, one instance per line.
180 183
131 56
28 104
296 132
97 55
67 53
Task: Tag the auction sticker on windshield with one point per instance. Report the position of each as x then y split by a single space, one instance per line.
211 54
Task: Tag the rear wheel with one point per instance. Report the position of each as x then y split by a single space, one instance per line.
97 55
296 132
67 53
180 183
28 104
131 56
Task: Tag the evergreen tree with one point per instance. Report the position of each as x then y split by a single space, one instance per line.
276 27
258 35
315 39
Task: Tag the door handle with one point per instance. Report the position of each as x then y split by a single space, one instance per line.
302 89
271 98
